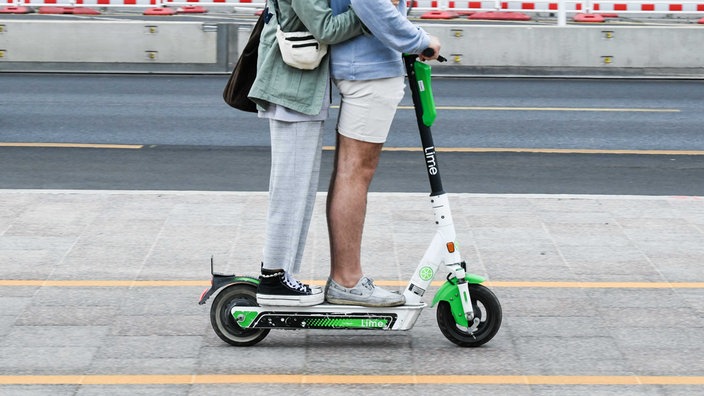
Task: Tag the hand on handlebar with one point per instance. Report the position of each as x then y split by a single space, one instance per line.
434 46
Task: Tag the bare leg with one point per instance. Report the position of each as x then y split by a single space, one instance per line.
354 167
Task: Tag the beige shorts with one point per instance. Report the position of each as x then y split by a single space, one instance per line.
368 107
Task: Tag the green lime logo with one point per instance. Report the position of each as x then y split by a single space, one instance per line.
426 273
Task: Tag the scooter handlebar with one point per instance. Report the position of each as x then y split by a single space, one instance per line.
430 52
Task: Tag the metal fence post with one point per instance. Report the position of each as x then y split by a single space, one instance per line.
561 13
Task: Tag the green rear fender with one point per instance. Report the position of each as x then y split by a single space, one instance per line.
448 292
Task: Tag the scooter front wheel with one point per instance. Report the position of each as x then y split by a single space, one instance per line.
225 325
487 310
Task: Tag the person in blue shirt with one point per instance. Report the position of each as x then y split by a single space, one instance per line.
369 73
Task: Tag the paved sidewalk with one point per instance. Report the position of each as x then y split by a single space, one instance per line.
613 288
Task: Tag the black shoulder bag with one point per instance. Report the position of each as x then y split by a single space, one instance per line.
242 77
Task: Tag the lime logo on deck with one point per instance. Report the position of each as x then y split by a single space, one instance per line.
426 273
349 323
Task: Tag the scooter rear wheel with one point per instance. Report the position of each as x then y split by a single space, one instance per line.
486 307
225 325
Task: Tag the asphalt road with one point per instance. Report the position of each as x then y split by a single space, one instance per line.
506 113
616 136
246 169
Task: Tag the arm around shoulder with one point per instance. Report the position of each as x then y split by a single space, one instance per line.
318 18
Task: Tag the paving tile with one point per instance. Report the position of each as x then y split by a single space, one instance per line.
45 360
148 347
136 390
55 336
38 390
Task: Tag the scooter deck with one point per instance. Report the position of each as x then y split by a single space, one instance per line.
328 316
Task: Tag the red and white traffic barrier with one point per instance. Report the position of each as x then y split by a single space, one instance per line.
433 9
439 9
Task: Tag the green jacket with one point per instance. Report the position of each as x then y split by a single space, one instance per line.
299 90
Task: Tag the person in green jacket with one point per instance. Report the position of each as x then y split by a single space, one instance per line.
296 104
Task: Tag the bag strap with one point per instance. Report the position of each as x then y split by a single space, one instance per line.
278 15
276 10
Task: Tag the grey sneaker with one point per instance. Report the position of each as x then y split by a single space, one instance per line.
364 293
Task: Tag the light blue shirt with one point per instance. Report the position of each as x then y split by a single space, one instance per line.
378 54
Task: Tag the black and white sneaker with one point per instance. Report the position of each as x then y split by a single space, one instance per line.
280 288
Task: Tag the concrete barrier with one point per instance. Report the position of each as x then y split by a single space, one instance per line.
599 50
112 46
196 47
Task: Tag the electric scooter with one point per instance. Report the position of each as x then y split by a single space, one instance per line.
468 313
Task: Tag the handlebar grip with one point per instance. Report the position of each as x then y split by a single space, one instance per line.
430 52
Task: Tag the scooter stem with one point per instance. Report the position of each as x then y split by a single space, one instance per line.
442 249
426 136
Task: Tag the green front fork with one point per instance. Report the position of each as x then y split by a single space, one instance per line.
448 292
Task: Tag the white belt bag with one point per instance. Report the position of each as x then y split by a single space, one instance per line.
300 49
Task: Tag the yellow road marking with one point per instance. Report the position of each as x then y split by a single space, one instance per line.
73 145
501 108
204 283
104 283
189 379
438 149
599 285
595 109
541 150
